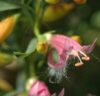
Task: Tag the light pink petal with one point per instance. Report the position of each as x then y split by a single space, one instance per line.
58 42
88 49
61 42
54 94
62 92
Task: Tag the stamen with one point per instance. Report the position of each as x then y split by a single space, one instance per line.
79 63
75 53
87 58
83 53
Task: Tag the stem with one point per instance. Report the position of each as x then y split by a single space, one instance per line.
38 15
36 29
32 70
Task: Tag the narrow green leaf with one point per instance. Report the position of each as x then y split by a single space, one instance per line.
4 5
32 46
21 54
30 49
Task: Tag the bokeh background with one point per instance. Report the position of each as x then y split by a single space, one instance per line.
83 21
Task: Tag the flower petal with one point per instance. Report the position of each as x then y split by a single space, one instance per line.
62 92
61 62
54 94
58 42
88 49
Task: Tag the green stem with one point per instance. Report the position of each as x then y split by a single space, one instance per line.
38 15
36 29
32 70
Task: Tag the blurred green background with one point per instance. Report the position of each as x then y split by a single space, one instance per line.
83 21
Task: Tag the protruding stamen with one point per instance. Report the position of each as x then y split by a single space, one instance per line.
78 64
83 53
75 53
85 56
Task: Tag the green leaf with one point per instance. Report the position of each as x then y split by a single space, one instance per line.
32 46
4 5
20 54
30 49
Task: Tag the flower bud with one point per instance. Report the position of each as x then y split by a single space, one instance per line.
6 59
52 1
5 86
6 26
80 1
39 89
55 12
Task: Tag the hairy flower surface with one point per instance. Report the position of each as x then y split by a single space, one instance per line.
65 48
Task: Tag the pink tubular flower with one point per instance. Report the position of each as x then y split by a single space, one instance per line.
65 48
39 88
